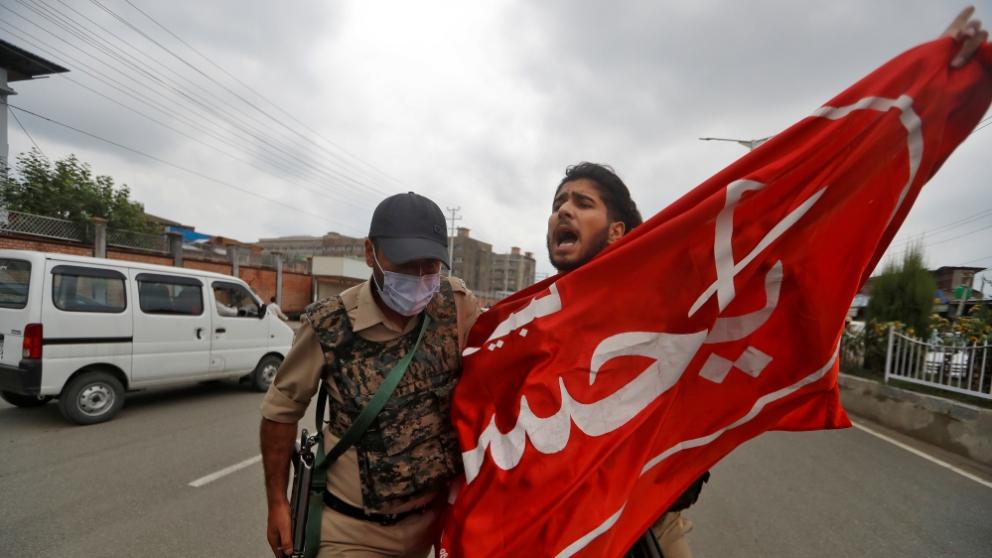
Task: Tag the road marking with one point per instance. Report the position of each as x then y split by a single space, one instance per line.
928 457
225 471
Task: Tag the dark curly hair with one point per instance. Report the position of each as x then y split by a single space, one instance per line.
616 196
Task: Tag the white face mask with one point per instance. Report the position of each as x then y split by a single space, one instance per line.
406 294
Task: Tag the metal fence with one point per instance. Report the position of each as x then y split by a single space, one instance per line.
36 225
960 368
141 241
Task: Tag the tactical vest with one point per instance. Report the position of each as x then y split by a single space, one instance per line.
411 448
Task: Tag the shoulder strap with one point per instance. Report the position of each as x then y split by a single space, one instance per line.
368 414
354 433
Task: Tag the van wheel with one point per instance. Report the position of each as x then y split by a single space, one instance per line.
25 401
261 378
91 397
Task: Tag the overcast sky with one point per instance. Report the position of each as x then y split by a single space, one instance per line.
476 105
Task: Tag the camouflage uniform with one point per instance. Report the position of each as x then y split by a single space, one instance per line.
403 463
411 448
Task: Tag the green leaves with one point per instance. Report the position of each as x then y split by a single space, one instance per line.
904 292
68 189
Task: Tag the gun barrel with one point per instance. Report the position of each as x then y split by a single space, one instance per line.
303 461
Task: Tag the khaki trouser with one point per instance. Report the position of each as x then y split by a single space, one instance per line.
343 536
346 537
670 532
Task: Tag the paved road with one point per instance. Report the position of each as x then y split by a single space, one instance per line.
122 488
841 494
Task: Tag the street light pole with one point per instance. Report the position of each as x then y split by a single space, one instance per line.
966 291
451 244
750 144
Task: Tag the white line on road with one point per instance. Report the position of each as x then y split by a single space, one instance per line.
225 471
915 451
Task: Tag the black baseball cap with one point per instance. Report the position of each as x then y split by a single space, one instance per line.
409 227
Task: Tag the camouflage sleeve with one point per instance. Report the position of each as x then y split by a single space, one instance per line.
297 380
468 308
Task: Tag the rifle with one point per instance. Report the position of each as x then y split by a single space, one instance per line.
303 461
645 547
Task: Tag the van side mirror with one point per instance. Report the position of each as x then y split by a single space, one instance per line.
261 311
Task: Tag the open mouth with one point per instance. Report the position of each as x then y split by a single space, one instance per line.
565 236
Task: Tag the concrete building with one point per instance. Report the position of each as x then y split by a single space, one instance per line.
301 247
333 274
471 260
338 261
512 272
334 244
297 246
949 278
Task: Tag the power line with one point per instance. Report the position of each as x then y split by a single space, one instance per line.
215 81
111 82
249 88
25 130
206 131
959 236
79 31
989 257
941 229
173 165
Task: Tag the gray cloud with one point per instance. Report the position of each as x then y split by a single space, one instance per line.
483 106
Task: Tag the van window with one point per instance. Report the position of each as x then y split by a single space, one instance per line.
234 301
162 296
15 278
81 289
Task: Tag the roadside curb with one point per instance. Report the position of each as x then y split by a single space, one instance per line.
957 427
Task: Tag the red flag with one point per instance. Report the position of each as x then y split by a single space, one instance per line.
591 400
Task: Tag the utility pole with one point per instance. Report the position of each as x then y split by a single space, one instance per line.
451 245
748 143
966 291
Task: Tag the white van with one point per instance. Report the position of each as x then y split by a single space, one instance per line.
85 330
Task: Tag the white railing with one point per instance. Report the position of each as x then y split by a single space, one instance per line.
960 368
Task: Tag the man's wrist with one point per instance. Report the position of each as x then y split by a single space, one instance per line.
276 503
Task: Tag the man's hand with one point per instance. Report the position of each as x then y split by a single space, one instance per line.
279 532
276 440
968 33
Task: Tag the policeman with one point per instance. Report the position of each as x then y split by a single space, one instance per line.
382 493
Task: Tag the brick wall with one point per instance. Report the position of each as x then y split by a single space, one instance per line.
296 287
138 257
296 291
17 243
202 265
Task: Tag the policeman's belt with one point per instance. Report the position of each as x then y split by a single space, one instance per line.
384 519
318 482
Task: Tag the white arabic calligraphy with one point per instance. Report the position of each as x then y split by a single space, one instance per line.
670 354
914 147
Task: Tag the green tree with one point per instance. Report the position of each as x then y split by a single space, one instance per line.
904 293
68 189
